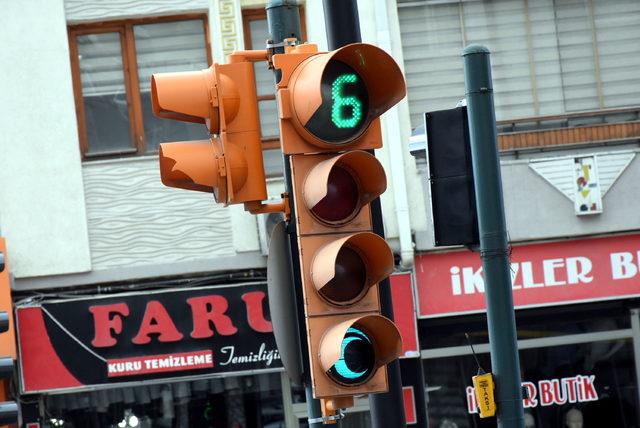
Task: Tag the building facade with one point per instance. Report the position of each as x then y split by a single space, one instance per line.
90 229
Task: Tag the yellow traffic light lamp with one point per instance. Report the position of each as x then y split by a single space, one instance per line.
329 106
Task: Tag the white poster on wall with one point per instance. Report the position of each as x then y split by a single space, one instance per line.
588 196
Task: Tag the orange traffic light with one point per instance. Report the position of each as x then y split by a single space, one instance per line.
222 97
329 106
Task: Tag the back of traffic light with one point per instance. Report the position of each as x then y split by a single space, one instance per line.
329 106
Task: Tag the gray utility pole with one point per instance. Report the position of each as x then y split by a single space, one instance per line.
494 249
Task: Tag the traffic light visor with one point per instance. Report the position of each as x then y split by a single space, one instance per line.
351 352
337 95
344 269
337 188
186 96
189 165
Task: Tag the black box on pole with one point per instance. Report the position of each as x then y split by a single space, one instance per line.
453 202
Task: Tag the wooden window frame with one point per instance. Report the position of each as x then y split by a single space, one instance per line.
130 70
249 15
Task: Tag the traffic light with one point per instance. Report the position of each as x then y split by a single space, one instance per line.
329 106
223 98
8 409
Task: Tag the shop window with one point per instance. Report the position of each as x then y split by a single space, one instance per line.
585 385
112 63
228 402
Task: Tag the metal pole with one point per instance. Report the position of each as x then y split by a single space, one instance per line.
494 249
341 22
283 21
387 410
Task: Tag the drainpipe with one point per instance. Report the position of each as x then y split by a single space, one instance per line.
396 149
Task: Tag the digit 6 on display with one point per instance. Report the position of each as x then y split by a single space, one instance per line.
329 106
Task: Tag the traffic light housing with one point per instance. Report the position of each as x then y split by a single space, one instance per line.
223 98
8 409
329 106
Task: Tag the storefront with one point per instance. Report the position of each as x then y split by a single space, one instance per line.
578 332
190 357
201 357
206 356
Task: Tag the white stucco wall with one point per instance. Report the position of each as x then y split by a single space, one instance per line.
42 212
379 26
78 11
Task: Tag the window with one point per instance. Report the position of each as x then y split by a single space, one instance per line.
225 402
594 379
112 63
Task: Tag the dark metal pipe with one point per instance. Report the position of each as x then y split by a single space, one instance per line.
387 410
494 247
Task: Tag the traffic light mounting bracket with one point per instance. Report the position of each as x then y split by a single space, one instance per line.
257 207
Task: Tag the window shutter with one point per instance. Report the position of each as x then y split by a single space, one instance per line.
618 34
542 53
432 43
167 47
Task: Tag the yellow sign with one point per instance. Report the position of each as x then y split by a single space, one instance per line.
484 387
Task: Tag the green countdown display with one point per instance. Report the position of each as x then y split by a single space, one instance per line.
340 116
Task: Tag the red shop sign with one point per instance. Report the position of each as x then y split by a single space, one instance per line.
404 313
145 336
541 274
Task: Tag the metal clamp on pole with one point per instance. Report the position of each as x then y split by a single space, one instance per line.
274 48
327 419
287 42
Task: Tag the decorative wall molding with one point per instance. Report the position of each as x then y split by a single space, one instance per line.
98 10
133 220
225 22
